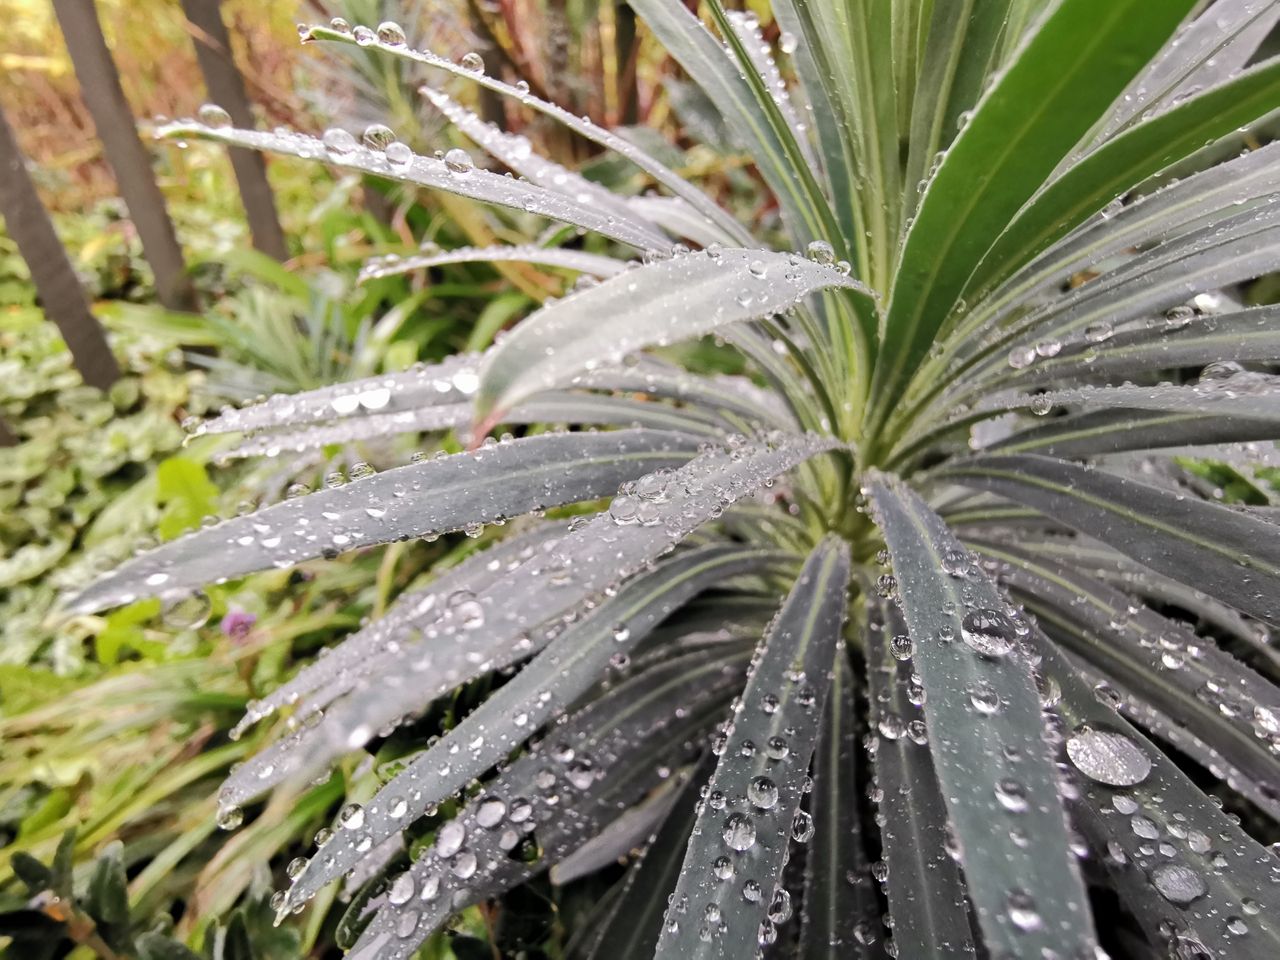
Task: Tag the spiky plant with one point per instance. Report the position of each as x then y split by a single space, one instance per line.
1021 230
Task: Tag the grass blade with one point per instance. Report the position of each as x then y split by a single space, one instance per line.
592 264
1000 788
729 894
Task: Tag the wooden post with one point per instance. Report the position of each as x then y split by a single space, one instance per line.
61 295
103 95
225 87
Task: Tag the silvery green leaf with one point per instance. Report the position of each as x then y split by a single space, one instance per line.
659 303
516 153
1127 790
592 264
747 28
1204 52
547 685
1236 393
1000 788
1151 219
451 176
730 886
605 757
448 383
629 832
840 913
926 893
431 497
1109 431
1184 677
1225 551
667 177
629 928
681 219
338 670
550 407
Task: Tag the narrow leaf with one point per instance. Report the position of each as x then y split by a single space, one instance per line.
546 686
729 895
677 299
1000 787
1226 552
452 176
432 497
1076 63
592 264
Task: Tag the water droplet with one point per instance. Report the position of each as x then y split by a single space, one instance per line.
458 161
1022 911
229 818
821 252
762 792
1108 757
722 868
1012 795
398 154
338 142
802 827
391 33
751 891
352 816
989 632
490 812
1178 883
187 613
449 839
739 832
780 906
463 866
378 136
364 36
212 115
472 61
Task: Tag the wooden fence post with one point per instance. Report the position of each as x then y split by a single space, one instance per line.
117 129
61 295
225 87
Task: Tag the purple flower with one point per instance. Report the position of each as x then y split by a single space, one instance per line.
237 623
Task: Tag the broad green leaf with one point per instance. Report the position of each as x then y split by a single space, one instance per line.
1226 552
452 176
431 497
925 891
185 494
1123 163
730 894
840 912
547 685
960 55
606 756
659 303
985 736
1076 63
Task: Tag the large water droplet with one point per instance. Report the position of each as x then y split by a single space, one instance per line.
989 632
763 793
1108 756
212 115
1178 883
739 832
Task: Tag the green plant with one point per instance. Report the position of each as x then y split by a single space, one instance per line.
1023 221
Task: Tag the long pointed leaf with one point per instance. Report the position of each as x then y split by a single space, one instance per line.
729 893
434 496
664 302
1000 788
1226 552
